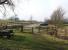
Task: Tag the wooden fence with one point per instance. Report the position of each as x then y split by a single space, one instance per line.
39 29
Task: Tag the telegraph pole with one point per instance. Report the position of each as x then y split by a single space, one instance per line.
31 19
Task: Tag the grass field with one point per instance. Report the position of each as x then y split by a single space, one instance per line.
27 41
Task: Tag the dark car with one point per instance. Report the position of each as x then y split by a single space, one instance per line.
44 24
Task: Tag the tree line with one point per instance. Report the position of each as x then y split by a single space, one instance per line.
57 18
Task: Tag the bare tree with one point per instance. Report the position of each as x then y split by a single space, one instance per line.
4 3
57 17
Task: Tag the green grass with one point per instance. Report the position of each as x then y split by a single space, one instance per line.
25 41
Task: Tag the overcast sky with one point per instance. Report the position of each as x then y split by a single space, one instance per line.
39 9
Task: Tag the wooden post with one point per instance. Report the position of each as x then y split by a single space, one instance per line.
5 26
47 28
1 24
22 29
32 30
65 31
39 29
56 34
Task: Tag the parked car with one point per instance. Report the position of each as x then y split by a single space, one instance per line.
44 24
